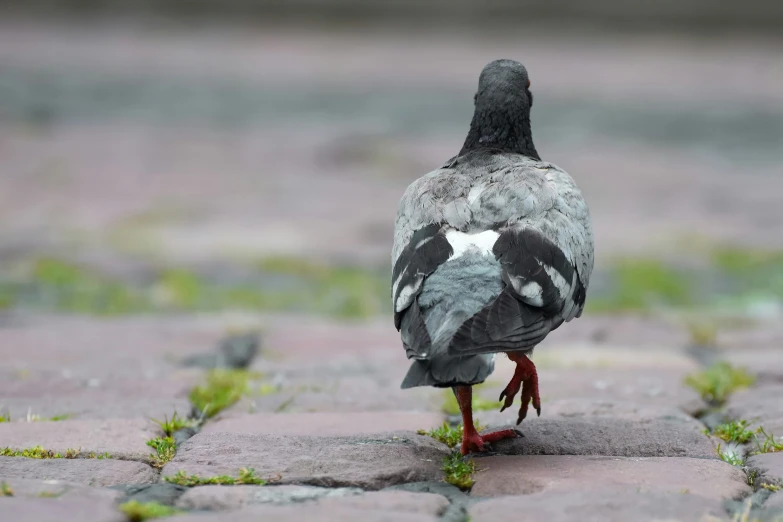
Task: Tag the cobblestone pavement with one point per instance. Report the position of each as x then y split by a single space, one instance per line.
321 420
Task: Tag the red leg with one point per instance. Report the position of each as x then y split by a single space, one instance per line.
525 377
471 440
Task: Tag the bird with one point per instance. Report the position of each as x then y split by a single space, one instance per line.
492 251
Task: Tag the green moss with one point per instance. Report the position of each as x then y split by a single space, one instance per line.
165 449
5 417
245 476
451 406
448 435
639 284
38 452
458 471
99 456
222 389
175 423
50 494
5 490
720 380
140 511
61 417
734 431
772 487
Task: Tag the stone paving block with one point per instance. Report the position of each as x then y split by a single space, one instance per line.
395 501
323 424
635 333
614 436
310 513
59 510
642 386
769 464
38 488
369 462
236 497
120 438
613 504
524 475
761 404
92 472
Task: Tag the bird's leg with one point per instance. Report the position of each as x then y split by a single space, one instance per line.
525 377
471 440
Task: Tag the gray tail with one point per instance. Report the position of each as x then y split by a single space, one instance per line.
449 371
418 375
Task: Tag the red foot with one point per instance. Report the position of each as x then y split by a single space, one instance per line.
474 443
525 377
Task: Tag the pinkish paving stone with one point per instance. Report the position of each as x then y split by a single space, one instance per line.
311 514
236 497
323 424
59 510
766 364
661 437
369 462
391 501
51 488
636 334
121 438
525 475
610 504
769 464
760 404
92 472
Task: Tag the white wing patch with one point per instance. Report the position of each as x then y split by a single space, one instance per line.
461 242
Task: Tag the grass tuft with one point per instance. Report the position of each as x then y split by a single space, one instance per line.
165 449
459 472
245 476
5 417
137 511
720 380
448 435
99 456
5 490
772 487
176 423
734 431
730 456
38 452
222 389
769 444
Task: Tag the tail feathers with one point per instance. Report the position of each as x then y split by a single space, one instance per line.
449 371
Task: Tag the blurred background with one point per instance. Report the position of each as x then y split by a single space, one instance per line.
181 156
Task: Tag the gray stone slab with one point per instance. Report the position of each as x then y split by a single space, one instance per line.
92 472
59 510
38 488
770 465
391 501
120 438
760 404
613 504
369 462
661 437
311 513
524 475
236 497
323 424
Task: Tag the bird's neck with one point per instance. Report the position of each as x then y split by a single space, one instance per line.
506 130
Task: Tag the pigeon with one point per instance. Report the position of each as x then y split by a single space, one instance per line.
492 252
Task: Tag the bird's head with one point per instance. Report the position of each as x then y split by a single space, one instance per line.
501 117
504 82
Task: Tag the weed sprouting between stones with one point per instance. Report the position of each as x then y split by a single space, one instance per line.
734 431
5 417
768 445
50 494
175 423
222 389
458 471
730 455
245 476
772 487
38 452
448 435
5 490
720 380
99 456
165 449
140 511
